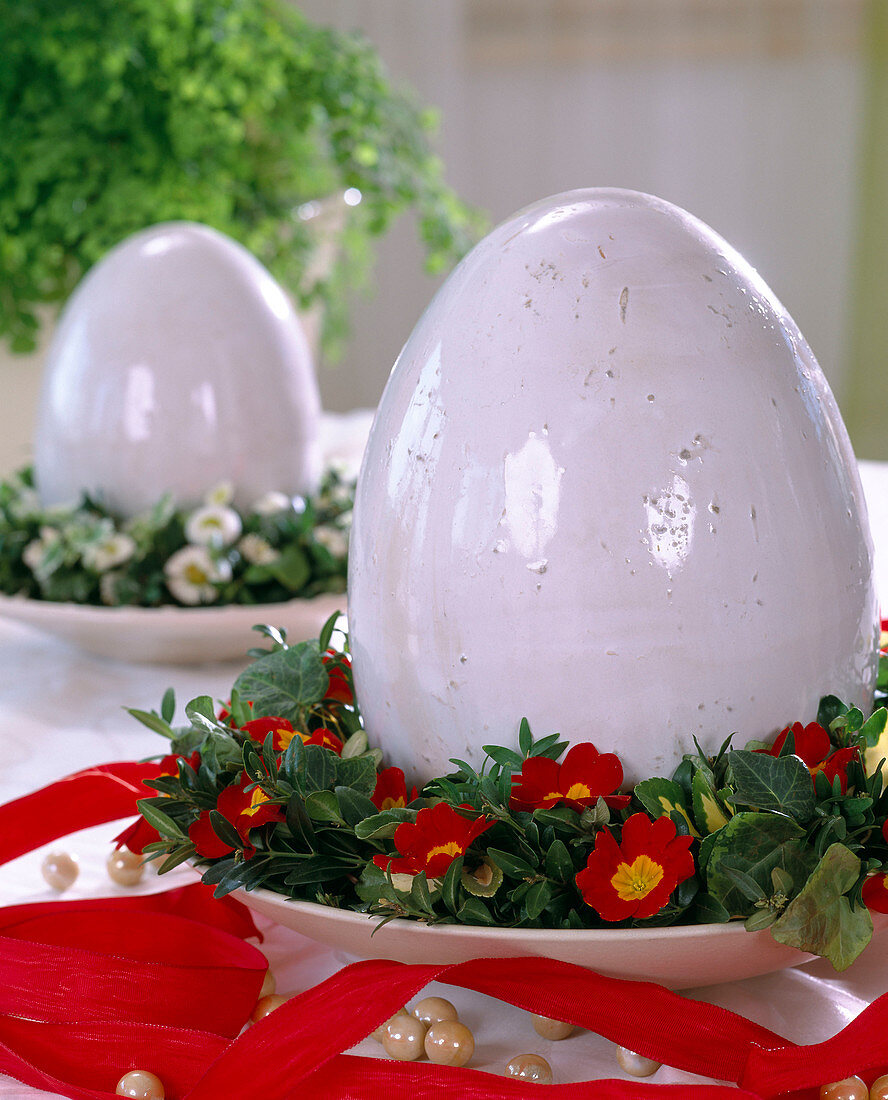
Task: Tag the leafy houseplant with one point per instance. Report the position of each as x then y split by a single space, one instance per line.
118 114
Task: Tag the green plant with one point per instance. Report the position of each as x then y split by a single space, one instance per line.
118 114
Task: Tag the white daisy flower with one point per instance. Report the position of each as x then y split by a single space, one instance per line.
192 575
213 525
333 539
257 550
220 495
271 502
113 549
26 504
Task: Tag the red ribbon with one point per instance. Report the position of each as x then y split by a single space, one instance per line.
163 982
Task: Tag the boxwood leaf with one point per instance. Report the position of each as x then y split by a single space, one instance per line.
382 826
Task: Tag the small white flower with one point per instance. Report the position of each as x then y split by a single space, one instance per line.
257 550
271 502
192 575
213 525
333 539
220 495
35 552
113 549
26 504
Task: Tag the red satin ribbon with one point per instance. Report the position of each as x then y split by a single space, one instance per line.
91 989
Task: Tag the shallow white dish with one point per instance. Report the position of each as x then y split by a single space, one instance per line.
680 958
171 635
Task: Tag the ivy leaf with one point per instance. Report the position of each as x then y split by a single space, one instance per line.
285 682
753 844
780 784
663 797
357 772
821 918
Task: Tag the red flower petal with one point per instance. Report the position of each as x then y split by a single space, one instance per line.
391 790
204 839
437 837
875 893
135 836
536 785
338 688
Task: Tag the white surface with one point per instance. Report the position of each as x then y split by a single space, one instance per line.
176 360
607 489
60 710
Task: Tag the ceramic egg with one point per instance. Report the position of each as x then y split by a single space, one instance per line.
607 489
178 363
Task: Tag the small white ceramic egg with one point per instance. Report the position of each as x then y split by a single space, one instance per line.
608 489
178 363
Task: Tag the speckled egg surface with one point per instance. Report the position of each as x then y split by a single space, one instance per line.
608 489
178 363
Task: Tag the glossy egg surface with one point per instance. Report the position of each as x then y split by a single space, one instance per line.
608 489
178 363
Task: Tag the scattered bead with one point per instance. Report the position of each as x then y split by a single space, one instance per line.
850 1088
449 1043
403 1038
60 870
266 1005
380 1031
125 867
269 985
879 1089
432 1010
139 1084
530 1067
636 1065
551 1029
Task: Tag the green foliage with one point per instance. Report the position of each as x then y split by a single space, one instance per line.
118 114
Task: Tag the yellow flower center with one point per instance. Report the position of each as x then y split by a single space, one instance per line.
283 737
451 848
257 798
194 574
393 803
578 791
635 882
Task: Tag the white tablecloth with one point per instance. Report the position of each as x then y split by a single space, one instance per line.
61 710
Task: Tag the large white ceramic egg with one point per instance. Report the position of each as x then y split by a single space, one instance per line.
178 363
607 489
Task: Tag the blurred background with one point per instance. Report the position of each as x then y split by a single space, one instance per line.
764 118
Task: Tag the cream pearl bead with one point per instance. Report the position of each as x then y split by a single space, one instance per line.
124 867
60 870
530 1067
432 1010
636 1065
403 1038
849 1088
139 1084
269 985
266 1005
548 1028
879 1088
380 1031
449 1043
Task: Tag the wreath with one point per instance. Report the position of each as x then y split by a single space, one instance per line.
280 789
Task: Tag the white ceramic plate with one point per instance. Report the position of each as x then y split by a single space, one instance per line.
680 958
171 635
